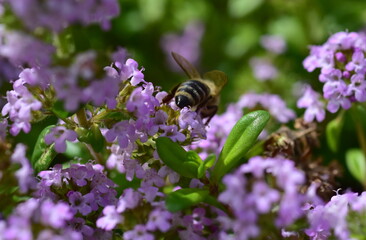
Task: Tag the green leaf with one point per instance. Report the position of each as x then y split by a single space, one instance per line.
214 202
333 132
77 150
240 8
92 136
356 164
209 162
184 198
175 157
240 140
43 154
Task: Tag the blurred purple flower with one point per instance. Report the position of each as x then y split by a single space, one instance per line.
314 107
197 220
159 219
23 50
271 102
56 218
35 213
248 202
59 135
263 69
273 43
56 15
138 233
20 105
24 174
171 131
110 219
128 200
187 44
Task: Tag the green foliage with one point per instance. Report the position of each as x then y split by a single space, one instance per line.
43 154
185 198
240 140
175 157
356 164
333 132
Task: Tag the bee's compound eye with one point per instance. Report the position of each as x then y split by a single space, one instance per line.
182 101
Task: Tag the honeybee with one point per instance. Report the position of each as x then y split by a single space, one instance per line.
200 94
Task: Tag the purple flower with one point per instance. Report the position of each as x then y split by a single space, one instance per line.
59 214
314 107
332 216
343 76
272 102
80 203
24 174
358 63
248 202
40 214
264 196
110 219
138 233
20 105
273 43
159 219
59 135
35 76
81 175
263 69
198 220
187 44
55 15
129 200
171 131
357 88
22 49
142 102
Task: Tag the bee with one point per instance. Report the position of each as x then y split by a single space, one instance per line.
200 94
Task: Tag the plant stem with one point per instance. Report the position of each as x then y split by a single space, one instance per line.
81 115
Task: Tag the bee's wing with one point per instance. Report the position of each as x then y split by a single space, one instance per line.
217 77
187 67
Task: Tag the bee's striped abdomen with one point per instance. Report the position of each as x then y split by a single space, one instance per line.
191 93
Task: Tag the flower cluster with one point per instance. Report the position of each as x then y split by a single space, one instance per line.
252 197
339 218
21 49
49 218
343 67
85 189
55 15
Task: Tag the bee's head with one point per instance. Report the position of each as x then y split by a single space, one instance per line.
182 101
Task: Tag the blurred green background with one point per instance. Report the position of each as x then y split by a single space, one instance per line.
232 30
219 34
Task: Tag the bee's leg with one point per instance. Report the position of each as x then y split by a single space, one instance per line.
210 111
171 95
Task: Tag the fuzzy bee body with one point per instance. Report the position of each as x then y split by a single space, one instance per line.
201 94
191 93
